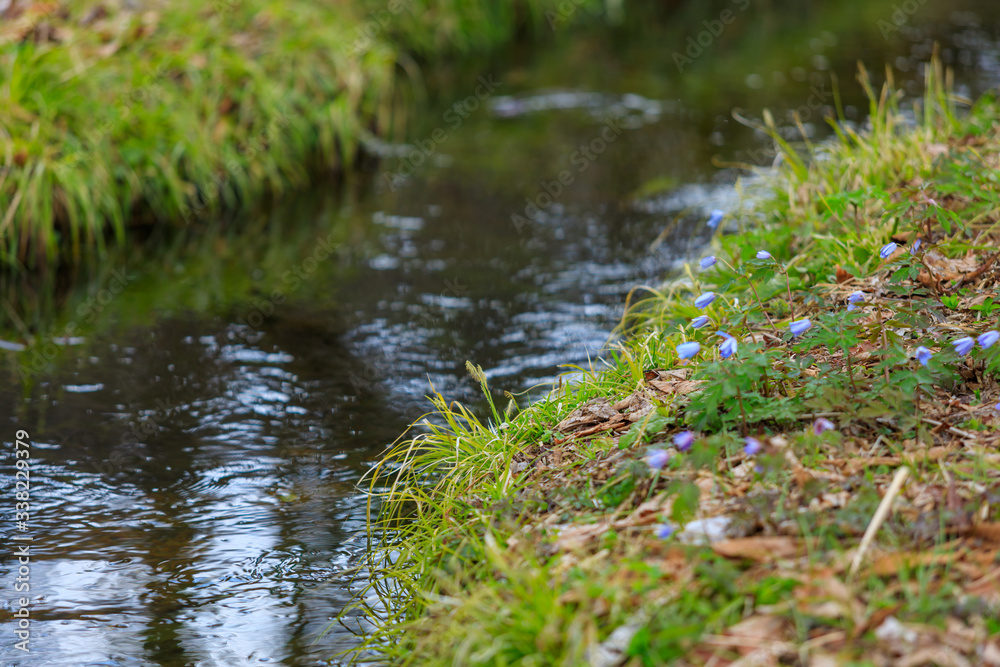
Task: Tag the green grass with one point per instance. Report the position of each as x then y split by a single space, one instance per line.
111 118
508 541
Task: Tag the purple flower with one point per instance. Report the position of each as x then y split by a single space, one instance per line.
915 247
715 218
688 350
998 407
727 347
684 440
854 298
664 531
799 327
964 345
699 321
707 261
822 424
705 300
763 254
987 339
887 250
923 355
657 458
752 447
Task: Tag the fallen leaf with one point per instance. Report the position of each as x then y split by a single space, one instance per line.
761 549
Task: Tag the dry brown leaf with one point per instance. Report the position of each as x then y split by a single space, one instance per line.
893 563
761 549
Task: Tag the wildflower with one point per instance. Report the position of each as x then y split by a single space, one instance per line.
704 300
799 327
727 347
998 407
923 355
854 298
887 250
987 339
699 321
964 345
657 458
822 424
688 350
664 531
707 261
915 247
763 254
684 440
715 218
752 447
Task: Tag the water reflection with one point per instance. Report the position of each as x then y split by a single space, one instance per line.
196 450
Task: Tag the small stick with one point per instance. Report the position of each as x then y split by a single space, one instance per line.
880 514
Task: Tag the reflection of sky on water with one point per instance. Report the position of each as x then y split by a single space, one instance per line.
194 480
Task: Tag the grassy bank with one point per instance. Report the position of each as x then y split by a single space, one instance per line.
817 483
114 113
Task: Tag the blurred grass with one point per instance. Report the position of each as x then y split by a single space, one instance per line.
112 115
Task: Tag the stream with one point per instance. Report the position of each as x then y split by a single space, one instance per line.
197 437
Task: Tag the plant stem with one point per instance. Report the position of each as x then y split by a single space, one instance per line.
754 289
885 340
743 414
788 288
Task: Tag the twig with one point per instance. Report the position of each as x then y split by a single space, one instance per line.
969 277
951 429
880 514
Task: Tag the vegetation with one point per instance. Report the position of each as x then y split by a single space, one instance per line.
112 116
816 482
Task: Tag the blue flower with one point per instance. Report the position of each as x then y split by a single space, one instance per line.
854 298
715 218
799 327
688 350
887 250
664 531
987 339
727 348
915 247
763 254
752 447
657 458
822 424
699 321
998 407
704 300
964 345
684 440
707 261
923 355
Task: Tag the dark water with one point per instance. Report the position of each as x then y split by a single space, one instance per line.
200 424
